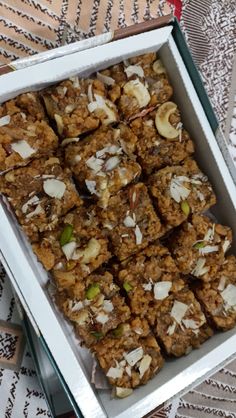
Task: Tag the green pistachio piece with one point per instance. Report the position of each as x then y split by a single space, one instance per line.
92 291
118 332
199 245
127 286
66 235
97 335
70 264
185 207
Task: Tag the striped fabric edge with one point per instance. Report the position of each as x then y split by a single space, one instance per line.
180 406
30 26
213 397
160 412
191 15
231 106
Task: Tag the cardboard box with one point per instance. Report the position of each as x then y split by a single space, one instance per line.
28 277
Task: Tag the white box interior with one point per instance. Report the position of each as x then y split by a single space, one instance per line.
29 278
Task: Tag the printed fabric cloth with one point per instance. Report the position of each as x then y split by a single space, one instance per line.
31 26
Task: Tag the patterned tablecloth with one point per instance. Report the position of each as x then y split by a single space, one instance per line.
28 26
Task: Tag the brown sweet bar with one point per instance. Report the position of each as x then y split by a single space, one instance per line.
78 106
129 356
180 323
104 162
94 306
218 297
148 278
130 221
179 191
137 84
199 246
40 194
74 249
153 149
24 132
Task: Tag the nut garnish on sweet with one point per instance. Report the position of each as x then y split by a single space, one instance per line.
163 124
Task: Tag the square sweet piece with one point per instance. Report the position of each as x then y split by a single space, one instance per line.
218 297
179 191
131 221
24 132
154 150
137 85
40 194
129 356
95 306
78 106
199 246
180 323
74 249
104 162
148 278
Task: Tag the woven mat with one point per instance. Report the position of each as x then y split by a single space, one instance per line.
20 393
29 26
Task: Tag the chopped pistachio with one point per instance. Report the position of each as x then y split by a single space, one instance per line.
127 286
96 334
118 332
185 207
199 245
66 235
70 264
92 291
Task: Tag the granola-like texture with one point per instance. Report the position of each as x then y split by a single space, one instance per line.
116 79
218 297
25 107
24 132
179 191
130 355
148 278
40 194
104 162
74 249
101 239
153 150
135 87
94 306
181 325
130 221
199 246
79 106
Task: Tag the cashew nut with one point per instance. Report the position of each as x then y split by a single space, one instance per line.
91 251
51 161
158 67
106 105
137 89
81 317
162 120
10 177
123 392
